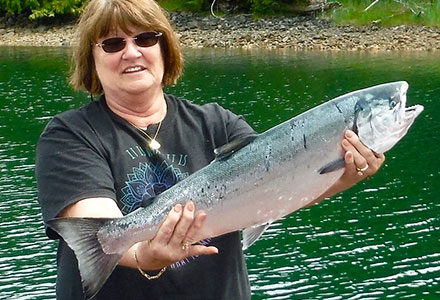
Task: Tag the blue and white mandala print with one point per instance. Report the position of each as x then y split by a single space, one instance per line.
147 181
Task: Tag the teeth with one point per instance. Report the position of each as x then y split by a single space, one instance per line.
133 69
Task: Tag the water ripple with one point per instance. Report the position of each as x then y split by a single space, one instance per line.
378 240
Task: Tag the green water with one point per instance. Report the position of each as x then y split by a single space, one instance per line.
379 240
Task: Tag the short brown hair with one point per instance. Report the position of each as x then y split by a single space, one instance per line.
100 17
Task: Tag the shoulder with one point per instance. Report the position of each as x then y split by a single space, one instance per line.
78 119
219 121
85 128
213 111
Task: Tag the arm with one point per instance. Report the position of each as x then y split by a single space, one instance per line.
166 247
357 156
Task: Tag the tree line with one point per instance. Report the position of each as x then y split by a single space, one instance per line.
39 9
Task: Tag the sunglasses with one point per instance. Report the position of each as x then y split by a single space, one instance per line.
116 44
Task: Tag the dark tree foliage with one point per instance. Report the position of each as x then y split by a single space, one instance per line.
38 9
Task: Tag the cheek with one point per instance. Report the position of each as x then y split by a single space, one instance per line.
161 67
97 59
105 66
154 57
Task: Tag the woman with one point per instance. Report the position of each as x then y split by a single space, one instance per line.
115 154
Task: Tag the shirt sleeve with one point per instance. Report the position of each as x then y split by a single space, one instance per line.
236 126
70 166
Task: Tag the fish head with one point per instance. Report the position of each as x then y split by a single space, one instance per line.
381 116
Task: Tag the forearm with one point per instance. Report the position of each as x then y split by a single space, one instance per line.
127 260
146 263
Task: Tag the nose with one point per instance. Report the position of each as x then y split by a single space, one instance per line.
131 50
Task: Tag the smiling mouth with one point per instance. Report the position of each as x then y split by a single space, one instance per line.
134 69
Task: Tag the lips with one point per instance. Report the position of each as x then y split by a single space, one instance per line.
133 69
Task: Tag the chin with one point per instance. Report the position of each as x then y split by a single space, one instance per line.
139 89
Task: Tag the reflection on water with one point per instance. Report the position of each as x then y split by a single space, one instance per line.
379 240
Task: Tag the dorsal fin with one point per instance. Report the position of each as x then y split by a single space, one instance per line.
229 148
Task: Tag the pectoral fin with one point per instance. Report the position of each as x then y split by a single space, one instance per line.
332 166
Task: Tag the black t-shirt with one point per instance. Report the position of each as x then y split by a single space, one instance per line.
92 152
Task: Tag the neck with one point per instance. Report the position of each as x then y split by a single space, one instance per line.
140 111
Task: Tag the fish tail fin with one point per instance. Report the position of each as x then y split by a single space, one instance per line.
95 266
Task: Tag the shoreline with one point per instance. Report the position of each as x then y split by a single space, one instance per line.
241 31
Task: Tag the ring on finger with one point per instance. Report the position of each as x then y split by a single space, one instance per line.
185 246
362 169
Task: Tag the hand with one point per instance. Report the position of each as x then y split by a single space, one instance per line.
174 240
360 161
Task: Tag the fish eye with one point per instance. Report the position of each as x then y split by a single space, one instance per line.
393 103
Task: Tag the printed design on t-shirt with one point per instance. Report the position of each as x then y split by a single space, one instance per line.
147 181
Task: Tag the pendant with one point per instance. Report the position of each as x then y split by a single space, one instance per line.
154 145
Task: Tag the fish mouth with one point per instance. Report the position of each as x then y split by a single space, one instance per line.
411 112
405 117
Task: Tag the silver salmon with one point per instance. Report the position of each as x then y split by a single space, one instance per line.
252 182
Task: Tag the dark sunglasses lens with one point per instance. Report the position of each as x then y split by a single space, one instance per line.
113 45
147 39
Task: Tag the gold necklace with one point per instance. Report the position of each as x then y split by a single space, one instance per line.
153 144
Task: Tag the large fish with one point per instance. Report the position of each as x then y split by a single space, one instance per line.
252 182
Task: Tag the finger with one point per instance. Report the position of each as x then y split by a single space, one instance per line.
363 150
376 163
192 234
350 167
359 160
373 160
166 230
196 250
181 229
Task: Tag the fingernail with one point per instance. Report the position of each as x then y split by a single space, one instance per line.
348 133
190 205
345 143
202 217
178 208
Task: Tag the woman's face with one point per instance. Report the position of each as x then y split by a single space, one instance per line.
131 71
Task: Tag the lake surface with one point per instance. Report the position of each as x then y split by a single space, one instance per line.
379 240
